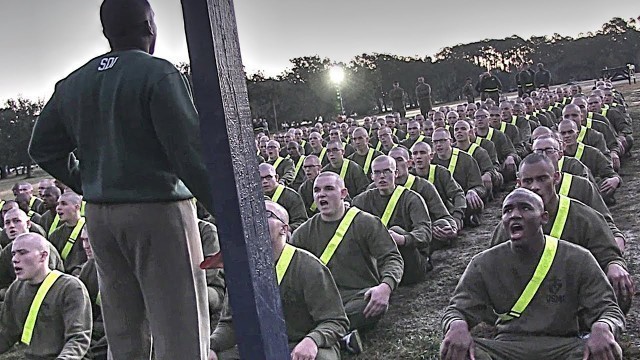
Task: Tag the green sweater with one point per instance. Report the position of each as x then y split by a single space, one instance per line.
310 302
35 228
410 214
361 159
355 180
574 288
292 202
435 206
504 147
63 325
585 227
285 170
366 257
77 256
600 166
133 125
574 166
466 173
306 193
211 245
449 190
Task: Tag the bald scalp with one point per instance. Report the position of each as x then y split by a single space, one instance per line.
31 241
399 151
540 131
462 122
264 167
567 123
526 195
122 18
360 130
420 144
71 197
53 190
338 181
273 143
277 209
534 158
16 212
311 159
383 159
335 143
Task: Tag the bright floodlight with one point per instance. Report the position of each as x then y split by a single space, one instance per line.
336 73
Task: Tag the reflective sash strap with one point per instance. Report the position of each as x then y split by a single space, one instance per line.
579 152
589 115
410 180
98 299
406 137
395 131
313 206
367 162
322 153
284 261
31 202
344 145
561 163
454 160
30 323
513 119
604 112
478 140
542 269
550 108
561 217
420 138
394 146
447 127
30 214
391 205
336 239
472 149
82 207
303 143
490 134
345 167
589 123
277 162
503 126
583 132
432 173
288 157
72 239
298 166
2 203
565 186
528 117
379 145
54 225
277 193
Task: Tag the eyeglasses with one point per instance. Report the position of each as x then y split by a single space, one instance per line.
333 150
440 141
266 177
385 172
272 215
309 166
480 116
548 150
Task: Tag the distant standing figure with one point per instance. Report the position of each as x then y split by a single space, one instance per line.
397 99
423 94
467 91
489 86
542 78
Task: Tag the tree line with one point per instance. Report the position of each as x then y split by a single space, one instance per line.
304 92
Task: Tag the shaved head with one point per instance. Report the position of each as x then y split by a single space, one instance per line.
277 209
71 197
122 18
334 177
529 196
399 151
540 131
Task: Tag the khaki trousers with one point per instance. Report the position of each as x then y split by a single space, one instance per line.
148 256
530 348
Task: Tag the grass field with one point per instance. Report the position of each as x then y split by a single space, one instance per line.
411 328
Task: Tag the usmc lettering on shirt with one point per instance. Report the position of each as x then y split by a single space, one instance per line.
555 296
107 63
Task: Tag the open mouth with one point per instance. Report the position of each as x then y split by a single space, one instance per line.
17 269
323 202
516 230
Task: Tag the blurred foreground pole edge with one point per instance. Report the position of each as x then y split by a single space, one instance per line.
220 95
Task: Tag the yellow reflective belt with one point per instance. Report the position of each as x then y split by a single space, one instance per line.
583 132
298 166
410 180
31 202
490 134
345 167
284 261
277 162
560 163
513 119
391 205
54 225
432 173
322 153
579 152
454 160
82 206
336 239
565 186
548 255
277 193
561 217
379 145
589 123
472 149
367 162
72 238
30 323
503 126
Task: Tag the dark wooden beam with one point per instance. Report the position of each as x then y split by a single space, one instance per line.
220 95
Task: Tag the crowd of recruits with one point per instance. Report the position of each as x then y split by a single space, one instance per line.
432 176
375 236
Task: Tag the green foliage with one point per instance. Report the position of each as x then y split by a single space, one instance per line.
17 118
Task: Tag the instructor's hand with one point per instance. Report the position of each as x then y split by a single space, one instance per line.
601 344
457 343
378 297
305 350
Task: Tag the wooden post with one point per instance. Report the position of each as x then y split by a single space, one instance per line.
220 95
